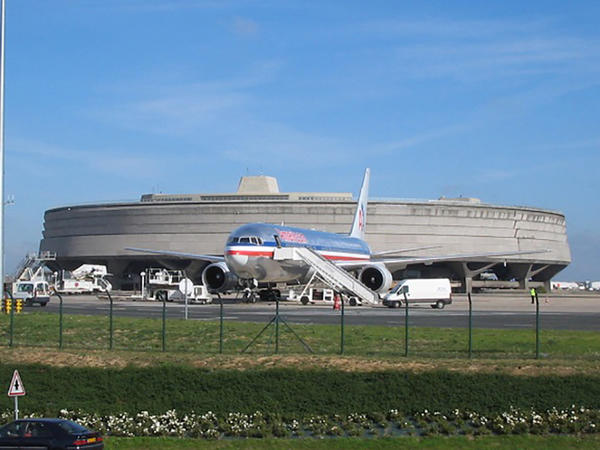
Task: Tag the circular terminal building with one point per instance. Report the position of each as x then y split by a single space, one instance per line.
201 223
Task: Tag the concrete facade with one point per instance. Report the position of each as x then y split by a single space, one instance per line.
200 223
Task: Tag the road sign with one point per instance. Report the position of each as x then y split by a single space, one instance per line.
186 286
16 388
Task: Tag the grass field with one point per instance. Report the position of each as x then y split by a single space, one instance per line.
145 334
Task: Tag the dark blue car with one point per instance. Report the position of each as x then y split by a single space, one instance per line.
51 434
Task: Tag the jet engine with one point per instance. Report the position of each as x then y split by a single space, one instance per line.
218 278
376 277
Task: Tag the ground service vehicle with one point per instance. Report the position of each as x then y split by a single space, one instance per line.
86 279
434 290
315 295
565 285
197 294
51 434
32 292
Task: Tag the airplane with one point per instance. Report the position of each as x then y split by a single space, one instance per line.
248 257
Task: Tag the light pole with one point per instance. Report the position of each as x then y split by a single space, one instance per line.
2 47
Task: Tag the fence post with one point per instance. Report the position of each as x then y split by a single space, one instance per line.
60 320
7 293
537 326
470 325
342 328
276 325
110 321
405 324
12 320
220 324
164 323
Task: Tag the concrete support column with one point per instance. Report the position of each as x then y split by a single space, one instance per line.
469 273
522 273
468 284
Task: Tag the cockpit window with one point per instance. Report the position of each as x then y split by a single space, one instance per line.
246 240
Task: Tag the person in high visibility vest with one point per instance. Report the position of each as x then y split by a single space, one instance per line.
532 292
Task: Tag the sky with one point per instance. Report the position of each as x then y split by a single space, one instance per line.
107 100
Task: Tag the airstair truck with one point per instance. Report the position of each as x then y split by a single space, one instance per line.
30 283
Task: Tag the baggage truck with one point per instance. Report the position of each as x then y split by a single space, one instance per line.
436 291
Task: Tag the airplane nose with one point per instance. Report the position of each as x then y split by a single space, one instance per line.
237 261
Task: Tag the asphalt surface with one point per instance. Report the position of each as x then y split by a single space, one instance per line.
489 311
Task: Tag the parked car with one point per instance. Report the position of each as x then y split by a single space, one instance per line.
51 434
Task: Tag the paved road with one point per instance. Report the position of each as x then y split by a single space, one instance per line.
489 311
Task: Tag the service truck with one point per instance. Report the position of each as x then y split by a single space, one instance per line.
564 285
197 293
86 279
436 291
316 295
31 292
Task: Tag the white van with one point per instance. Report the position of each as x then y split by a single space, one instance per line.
32 292
434 290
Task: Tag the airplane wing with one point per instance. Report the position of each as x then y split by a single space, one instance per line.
209 258
399 263
404 250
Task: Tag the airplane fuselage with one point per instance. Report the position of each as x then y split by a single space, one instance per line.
249 251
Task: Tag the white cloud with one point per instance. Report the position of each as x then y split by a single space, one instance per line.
109 161
468 50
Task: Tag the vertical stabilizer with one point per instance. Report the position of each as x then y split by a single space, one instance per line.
360 216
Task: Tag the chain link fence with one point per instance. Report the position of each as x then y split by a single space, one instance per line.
274 333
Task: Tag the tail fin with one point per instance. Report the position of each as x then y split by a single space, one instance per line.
360 216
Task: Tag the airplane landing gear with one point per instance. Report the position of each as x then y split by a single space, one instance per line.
249 296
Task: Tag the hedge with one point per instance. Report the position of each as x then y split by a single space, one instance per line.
291 392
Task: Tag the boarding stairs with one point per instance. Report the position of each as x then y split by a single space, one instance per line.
32 265
336 277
